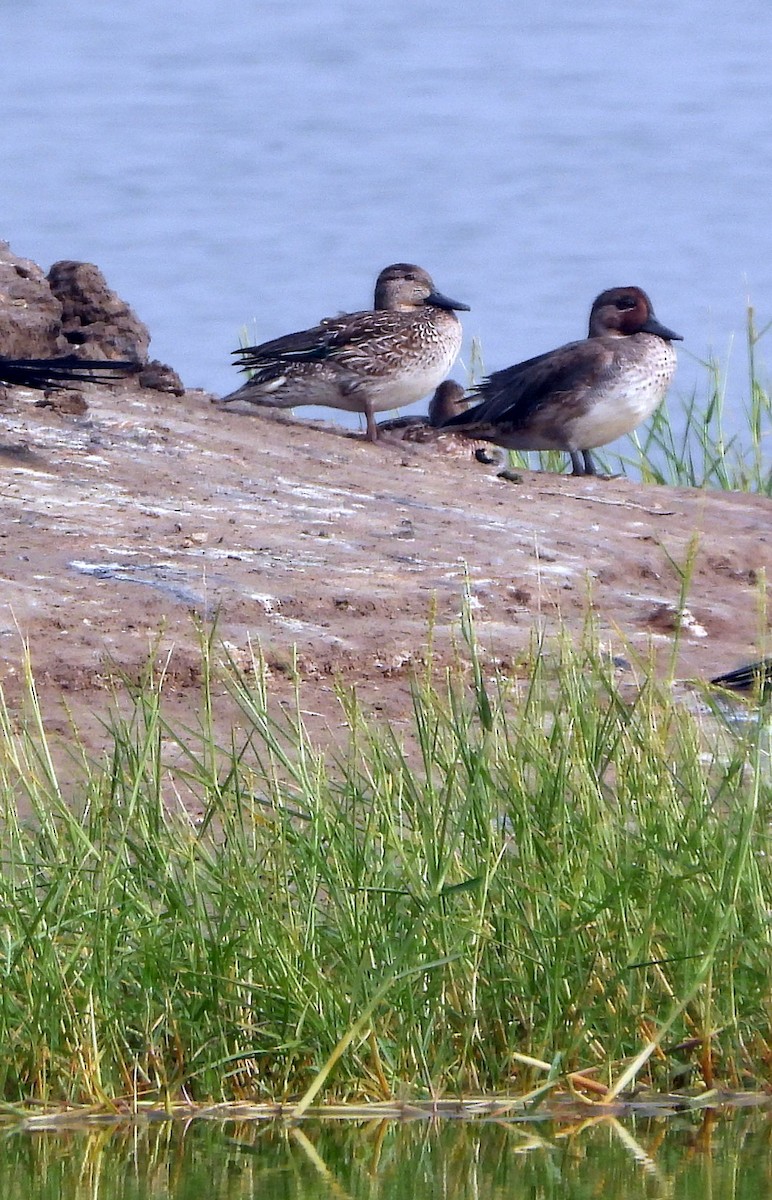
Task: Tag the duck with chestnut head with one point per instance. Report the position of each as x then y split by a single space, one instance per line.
584 394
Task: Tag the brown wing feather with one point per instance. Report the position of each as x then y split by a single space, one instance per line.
331 336
512 395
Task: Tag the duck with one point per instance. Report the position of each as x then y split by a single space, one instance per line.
365 362
754 679
447 401
44 374
428 430
584 394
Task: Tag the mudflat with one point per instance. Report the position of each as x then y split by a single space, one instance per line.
130 516
136 515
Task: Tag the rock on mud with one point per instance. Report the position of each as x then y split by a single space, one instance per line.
73 310
93 315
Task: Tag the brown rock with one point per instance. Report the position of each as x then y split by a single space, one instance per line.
70 309
30 316
94 316
66 402
160 378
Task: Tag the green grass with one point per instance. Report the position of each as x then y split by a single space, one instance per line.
541 875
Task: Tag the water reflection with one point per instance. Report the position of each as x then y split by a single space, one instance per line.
706 1154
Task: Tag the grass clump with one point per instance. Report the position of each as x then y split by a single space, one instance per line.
542 876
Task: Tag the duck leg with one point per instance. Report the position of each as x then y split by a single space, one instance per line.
582 463
372 425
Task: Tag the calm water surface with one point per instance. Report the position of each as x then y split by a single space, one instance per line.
245 162
681 1159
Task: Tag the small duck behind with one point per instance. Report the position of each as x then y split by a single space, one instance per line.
432 430
584 394
448 401
365 362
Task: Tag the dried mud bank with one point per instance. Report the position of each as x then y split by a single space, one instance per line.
130 511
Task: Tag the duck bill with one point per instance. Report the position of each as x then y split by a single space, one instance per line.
655 326
440 301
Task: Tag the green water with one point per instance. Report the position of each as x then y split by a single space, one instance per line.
707 1157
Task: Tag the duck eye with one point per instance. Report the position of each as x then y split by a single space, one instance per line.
625 302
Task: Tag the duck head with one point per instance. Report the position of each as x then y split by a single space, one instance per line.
448 401
404 286
624 311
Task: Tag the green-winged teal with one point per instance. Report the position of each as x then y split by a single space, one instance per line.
584 394
365 362
45 373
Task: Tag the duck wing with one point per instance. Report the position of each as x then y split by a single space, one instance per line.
43 373
755 676
333 336
511 396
